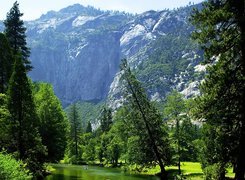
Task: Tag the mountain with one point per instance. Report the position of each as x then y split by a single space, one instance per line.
160 51
78 49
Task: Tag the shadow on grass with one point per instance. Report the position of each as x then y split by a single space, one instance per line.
193 174
173 173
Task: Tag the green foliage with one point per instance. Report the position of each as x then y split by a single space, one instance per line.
189 135
27 144
114 149
4 122
220 31
15 33
215 171
53 125
92 145
167 56
135 154
12 169
88 111
101 148
119 134
184 134
151 139
74 137
105 119
115 145
89 127
173 108
174 105
6 63
89 150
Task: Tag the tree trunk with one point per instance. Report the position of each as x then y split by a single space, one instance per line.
178 144
240 164
179 170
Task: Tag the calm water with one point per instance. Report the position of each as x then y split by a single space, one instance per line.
71 172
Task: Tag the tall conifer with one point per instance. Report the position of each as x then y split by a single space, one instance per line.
15 33
146 125
75 133
6 63
24 123
221 32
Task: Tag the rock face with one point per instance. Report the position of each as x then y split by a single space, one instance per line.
84 74
78 49
161 53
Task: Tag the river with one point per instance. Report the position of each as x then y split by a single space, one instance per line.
72 172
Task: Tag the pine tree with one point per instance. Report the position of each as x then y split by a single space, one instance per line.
75 133
53 122
6 63
150 139
221 32
89 128
106 119
24 123
173 108
15 33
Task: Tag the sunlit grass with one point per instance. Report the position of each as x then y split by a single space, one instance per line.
191 167
190 170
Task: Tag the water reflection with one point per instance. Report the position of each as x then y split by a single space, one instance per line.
71 172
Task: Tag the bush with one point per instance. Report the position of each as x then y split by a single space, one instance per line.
12 169
214 172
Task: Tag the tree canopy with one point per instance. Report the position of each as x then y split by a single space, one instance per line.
221 32
15 33
22 108
6 63
150 137
53 126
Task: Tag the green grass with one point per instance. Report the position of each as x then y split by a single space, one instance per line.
190 170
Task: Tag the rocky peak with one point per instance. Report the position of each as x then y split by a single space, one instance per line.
73 10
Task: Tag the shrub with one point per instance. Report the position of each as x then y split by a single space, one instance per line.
214 172
12 169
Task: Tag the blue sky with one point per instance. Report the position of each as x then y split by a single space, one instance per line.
33 9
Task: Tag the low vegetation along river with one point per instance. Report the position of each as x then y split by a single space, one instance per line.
71 172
